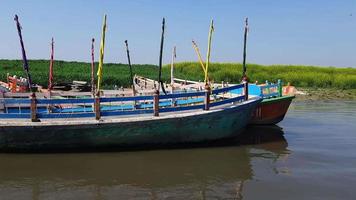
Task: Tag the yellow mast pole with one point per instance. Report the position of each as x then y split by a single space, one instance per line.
101 59
208 52
195 46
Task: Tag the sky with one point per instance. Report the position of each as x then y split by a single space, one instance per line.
298 32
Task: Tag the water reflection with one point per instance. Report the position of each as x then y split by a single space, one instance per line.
197 173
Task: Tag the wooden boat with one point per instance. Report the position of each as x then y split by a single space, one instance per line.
270 111
140 126
274 106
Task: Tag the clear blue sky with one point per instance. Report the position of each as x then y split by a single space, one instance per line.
308 32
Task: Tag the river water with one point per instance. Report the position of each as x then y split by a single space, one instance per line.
310 155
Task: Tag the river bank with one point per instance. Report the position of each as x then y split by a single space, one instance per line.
314 94
118 74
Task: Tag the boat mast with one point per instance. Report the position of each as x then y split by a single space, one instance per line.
160 59
92 67
129 62
244 77
50 76
208 52
101 59
174 55
24 58
196 48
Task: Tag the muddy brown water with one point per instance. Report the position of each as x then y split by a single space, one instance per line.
310 155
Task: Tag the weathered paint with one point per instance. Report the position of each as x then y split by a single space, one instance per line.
271 111
167 129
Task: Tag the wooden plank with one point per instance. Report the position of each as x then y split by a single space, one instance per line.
181 108
65 115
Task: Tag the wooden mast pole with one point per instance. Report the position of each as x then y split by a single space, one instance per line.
100 72
130 66
50 76
92 68
244 76
156 95
160 58
24 58
174 55
33 105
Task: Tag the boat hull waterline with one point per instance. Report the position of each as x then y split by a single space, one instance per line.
182 128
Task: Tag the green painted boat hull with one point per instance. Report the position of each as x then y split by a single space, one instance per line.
156 131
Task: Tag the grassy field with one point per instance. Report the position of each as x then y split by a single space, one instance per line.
118 74
114 74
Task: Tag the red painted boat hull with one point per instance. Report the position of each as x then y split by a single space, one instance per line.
271 111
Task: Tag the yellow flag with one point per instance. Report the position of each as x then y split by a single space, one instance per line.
101 59
208 52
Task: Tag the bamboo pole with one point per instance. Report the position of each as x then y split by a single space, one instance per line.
196 48
174 55
208 51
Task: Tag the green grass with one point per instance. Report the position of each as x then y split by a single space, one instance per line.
114 74
118 74
301 76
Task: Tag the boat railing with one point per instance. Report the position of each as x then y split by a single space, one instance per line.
116 106
271 90
41 108
21 105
